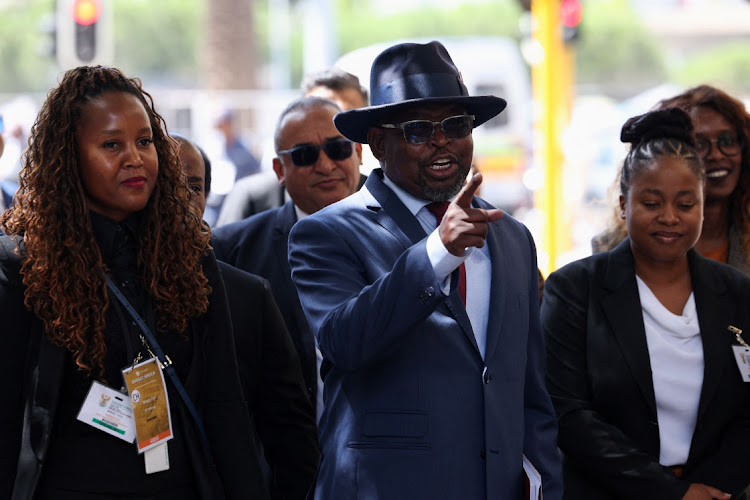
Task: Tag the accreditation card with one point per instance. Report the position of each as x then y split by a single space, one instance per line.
148 395
108 410
742 357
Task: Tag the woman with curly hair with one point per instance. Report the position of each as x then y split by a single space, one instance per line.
102 197
722 131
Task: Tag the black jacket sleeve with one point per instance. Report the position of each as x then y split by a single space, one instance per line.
599 455
274 388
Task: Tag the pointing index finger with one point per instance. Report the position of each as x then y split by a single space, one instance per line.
466 194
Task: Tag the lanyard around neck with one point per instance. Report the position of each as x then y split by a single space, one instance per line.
164 361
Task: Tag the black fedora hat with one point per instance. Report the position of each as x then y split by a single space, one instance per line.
408 74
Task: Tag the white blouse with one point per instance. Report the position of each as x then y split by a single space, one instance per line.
676 353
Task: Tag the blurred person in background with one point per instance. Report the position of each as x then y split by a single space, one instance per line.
2 148
722 131
2 140
245 162
18 115
263 191
103 233
318 166
14 141
641 368
269 366
337 85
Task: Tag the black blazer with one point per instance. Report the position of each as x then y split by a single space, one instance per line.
32 377
258 245
599 377
272 381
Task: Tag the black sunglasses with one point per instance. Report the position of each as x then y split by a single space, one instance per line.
420 131
306 156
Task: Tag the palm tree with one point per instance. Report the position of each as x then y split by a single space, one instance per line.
229 53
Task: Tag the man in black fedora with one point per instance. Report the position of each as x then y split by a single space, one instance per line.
423 300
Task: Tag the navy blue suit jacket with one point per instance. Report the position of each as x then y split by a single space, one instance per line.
258 245
412 410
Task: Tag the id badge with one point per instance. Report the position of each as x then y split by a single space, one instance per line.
148 395
108 410
742 357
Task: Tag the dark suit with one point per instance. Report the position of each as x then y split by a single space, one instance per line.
599 377
272 381
412 410
258 245
33 376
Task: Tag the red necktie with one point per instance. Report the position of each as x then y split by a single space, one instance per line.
438 209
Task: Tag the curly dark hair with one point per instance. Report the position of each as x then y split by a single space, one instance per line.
60 254
733 110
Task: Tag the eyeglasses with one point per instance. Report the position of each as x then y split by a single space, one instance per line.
306 156
420 131
727 143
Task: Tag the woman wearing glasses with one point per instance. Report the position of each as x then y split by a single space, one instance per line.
722 131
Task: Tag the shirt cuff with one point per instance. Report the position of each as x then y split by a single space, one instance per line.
443 262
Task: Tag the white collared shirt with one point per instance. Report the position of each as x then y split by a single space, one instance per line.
478 264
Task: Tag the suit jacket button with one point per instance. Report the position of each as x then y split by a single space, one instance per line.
426 294
486 376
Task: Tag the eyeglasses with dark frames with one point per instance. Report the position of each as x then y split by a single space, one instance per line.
728 143
420 131
307 155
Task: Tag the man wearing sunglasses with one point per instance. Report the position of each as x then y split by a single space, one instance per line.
252 195
317 166
428 324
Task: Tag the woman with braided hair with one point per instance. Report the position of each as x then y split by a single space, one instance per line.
640 360
722 132
102 234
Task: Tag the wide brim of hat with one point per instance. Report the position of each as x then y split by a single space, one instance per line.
355 123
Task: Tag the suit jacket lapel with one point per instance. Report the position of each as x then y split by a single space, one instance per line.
715 313
389 212
497 290
622 307
285 219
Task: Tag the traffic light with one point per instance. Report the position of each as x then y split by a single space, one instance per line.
571 13
84 32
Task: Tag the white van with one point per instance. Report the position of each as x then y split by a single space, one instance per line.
502 146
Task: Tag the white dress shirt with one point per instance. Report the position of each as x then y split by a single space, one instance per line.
477 261
676 352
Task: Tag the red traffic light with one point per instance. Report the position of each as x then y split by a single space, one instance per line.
86 12
571 13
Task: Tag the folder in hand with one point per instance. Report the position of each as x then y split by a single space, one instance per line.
532 481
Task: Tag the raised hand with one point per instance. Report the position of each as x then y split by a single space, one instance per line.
464 226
